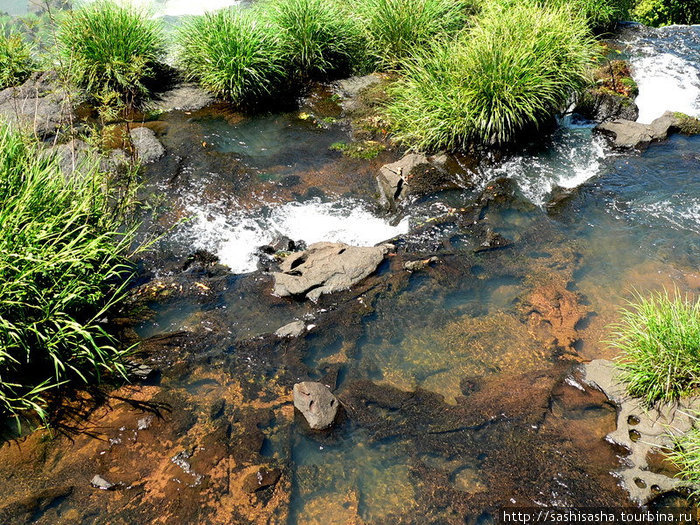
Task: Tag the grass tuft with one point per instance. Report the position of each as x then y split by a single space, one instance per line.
233 55
659 338
316 37
62 267
686 456
110 49
395 29
16 62
516 68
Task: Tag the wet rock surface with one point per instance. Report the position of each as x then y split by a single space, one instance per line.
413 174
629 134
293 329
147 147
326 268
40 106
643 431
184 97
317 404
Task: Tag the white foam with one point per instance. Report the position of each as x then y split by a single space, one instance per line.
681 215
235 236
666 83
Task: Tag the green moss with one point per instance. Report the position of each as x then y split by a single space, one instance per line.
687 125
365 149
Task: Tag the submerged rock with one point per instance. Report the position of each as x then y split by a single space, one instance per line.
326 267
414 266
293 329
629 134
261 478
316 403
146 146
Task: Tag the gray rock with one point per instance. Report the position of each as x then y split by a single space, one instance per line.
326 268
185 97
100 483
317 404
414 266
147 147
293 329
628 134
350 88
71 156
393 178
652 425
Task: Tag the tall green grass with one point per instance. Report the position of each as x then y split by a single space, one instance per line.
395 29
62 266
515 69
601 14
666 12
110 49
659 338
232 54
686 456
316 37
16 62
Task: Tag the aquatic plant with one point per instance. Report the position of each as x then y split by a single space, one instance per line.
110 49
62 267
659 337
394 29
232 54
316 37
512 71
16 63
667 12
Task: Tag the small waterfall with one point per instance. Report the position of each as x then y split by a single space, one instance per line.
234 236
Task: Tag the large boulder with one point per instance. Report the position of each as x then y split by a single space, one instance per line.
326 267
146 146
316 403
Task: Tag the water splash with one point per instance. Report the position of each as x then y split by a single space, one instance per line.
234 236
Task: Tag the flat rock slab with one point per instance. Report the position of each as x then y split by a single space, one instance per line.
185 97
326 267
293 329
317 404
147 147
649 426
629 134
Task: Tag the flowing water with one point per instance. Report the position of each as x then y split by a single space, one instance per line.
457 384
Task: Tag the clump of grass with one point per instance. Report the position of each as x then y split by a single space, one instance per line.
232 54
601 14
16 62
316 37
659 337
394 29
687 125
514 70
62 267
686 456
110 49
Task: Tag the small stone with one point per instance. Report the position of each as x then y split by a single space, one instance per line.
147 147
260 479
293 329
144 423
414 266
100 483
317 404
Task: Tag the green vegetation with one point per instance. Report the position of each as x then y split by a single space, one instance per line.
686 456
660 342
666 12
601 14
110 50
515 69
15 59
396 29
62 266
688 125
233 55
363 149
316 37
